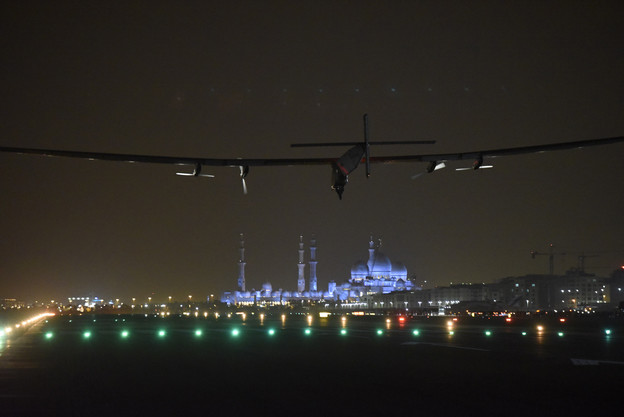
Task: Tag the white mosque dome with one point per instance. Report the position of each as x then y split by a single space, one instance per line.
381 265
399 270
359 270
286 294
267 287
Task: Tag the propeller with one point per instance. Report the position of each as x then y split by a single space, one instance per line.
196 172
244 170
433 166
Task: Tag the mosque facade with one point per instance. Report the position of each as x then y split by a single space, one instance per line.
378 275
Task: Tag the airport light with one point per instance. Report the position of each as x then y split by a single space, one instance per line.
416 332
488 333
86 334
540 328
307 332
524 333
271 332
451 333
235 332
125 334
48 335
162 333
198 333
608 332
379 332
560 334
343 332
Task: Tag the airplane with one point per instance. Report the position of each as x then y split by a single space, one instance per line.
341 167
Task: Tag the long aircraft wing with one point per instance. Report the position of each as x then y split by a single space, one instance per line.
341 166
235 162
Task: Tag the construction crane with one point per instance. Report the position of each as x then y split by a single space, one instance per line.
551 257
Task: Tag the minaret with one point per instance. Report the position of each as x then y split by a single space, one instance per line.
301 266
241 264
313 264
371 255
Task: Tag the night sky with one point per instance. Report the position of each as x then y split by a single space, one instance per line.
247 79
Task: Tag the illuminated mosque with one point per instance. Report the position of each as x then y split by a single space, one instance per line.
376 276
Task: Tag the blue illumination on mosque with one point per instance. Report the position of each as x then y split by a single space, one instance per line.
378 275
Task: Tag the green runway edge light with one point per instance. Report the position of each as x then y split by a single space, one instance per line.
271 332
608 332
161 333
343 332
307 332
379 332
235 332
524 333
125 334
416 332
86 335
198 333
49 335
488 333
560 334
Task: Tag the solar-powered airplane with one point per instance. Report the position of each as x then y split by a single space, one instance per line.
341 167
